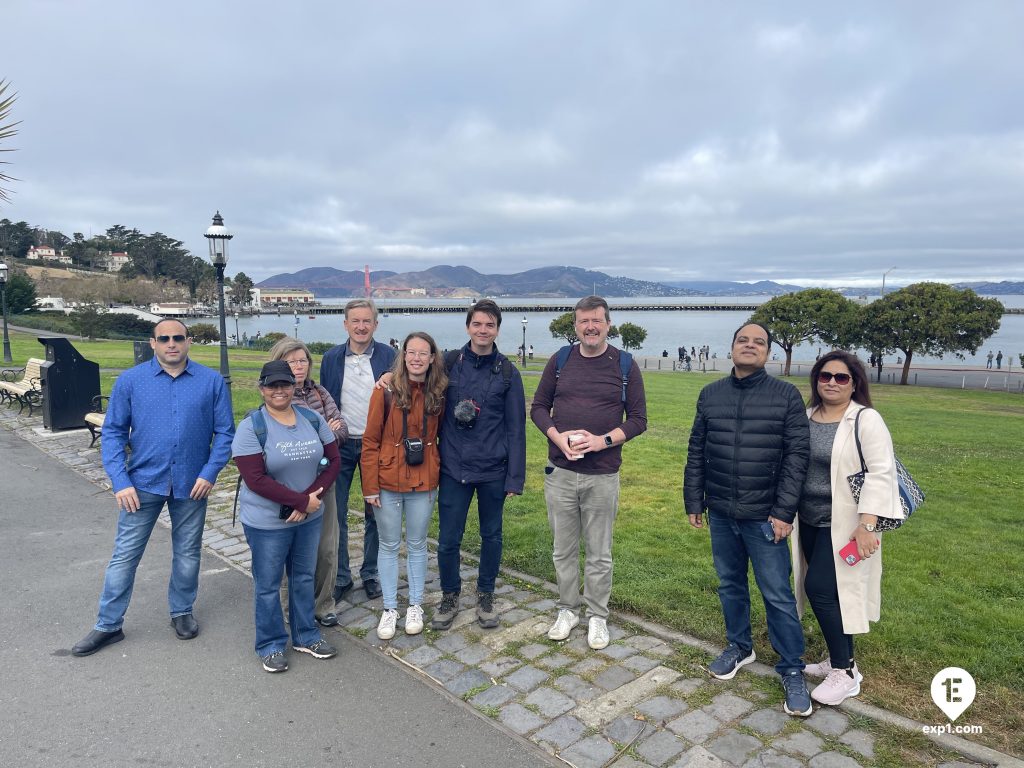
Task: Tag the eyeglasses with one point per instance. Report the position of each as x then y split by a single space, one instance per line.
301 363
178 337
824 377
418 355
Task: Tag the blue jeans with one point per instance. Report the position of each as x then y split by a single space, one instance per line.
418 506
274 551
350 452
452 509
133 532
734 544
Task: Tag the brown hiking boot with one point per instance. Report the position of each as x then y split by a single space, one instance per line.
446 612
485 612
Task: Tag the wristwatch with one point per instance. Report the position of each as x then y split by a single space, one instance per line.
608 442
869 527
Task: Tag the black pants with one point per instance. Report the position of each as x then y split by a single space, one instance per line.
823 593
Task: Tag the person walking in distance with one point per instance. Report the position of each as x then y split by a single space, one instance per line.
166 437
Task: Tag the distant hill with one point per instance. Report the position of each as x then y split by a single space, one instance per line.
728 288
465 282
326 282
1003 288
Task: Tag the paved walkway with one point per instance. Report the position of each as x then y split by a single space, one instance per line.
646 700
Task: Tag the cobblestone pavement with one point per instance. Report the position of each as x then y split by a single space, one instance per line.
645 700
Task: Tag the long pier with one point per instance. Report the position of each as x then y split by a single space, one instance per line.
383 307
459 308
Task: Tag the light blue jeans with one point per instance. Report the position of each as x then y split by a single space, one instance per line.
418 507
133 532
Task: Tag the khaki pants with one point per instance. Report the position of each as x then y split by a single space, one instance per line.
326 561
582 507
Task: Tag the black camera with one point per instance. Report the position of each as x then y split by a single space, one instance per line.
465 414
413 451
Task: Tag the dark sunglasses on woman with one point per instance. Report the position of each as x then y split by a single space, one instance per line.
824 377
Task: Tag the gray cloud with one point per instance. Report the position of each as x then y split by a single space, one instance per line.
663 140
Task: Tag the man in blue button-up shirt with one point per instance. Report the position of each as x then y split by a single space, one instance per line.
175 417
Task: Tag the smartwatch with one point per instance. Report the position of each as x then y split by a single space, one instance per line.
608 442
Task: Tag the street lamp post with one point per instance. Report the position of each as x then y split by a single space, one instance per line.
525 321
884 275
296 323
3 291
237 340
218 237
878 357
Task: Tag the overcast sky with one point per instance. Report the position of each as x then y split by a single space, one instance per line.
813 143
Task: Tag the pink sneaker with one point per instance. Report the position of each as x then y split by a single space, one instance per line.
837 687
821 669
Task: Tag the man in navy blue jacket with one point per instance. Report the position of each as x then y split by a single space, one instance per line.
483 450
349 371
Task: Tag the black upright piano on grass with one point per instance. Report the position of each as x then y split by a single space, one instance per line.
69 383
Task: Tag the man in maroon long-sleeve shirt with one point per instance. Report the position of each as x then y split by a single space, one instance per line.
580 409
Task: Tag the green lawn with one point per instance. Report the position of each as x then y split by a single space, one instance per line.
953 593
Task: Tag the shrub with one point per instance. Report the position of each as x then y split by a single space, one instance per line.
319 347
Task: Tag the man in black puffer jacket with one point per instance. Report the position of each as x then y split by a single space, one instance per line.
748 455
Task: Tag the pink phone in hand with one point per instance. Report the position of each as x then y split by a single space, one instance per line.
849 553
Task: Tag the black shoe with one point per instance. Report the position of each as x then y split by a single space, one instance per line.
372 589
275 662
96 640
340 592
329 619
185 626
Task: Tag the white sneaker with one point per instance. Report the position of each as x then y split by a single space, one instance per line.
388 622
563 625
414 620
597 635
837 687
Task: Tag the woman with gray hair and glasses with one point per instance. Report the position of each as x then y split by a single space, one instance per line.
311 395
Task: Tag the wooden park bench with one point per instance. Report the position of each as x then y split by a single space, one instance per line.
94 419
27 390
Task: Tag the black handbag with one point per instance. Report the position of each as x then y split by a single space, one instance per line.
911 495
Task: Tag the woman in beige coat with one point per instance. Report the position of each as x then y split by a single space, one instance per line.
845 598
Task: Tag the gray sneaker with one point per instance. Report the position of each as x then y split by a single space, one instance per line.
446 612
485 612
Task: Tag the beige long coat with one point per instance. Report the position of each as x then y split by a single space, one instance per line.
860 585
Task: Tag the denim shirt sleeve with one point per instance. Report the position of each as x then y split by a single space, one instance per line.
116 425
223 432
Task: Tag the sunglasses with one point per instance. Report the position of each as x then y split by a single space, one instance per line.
841 378
178 337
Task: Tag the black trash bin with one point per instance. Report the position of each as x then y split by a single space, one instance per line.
69 383
143 351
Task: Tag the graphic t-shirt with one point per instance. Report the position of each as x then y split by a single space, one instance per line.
292 456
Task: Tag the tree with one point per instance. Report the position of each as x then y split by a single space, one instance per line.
632 336
16 238
812 314
240 288
564 327
203 333
930 318
7 130
88 319
21 294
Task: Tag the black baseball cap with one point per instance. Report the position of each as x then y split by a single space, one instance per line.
276 371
